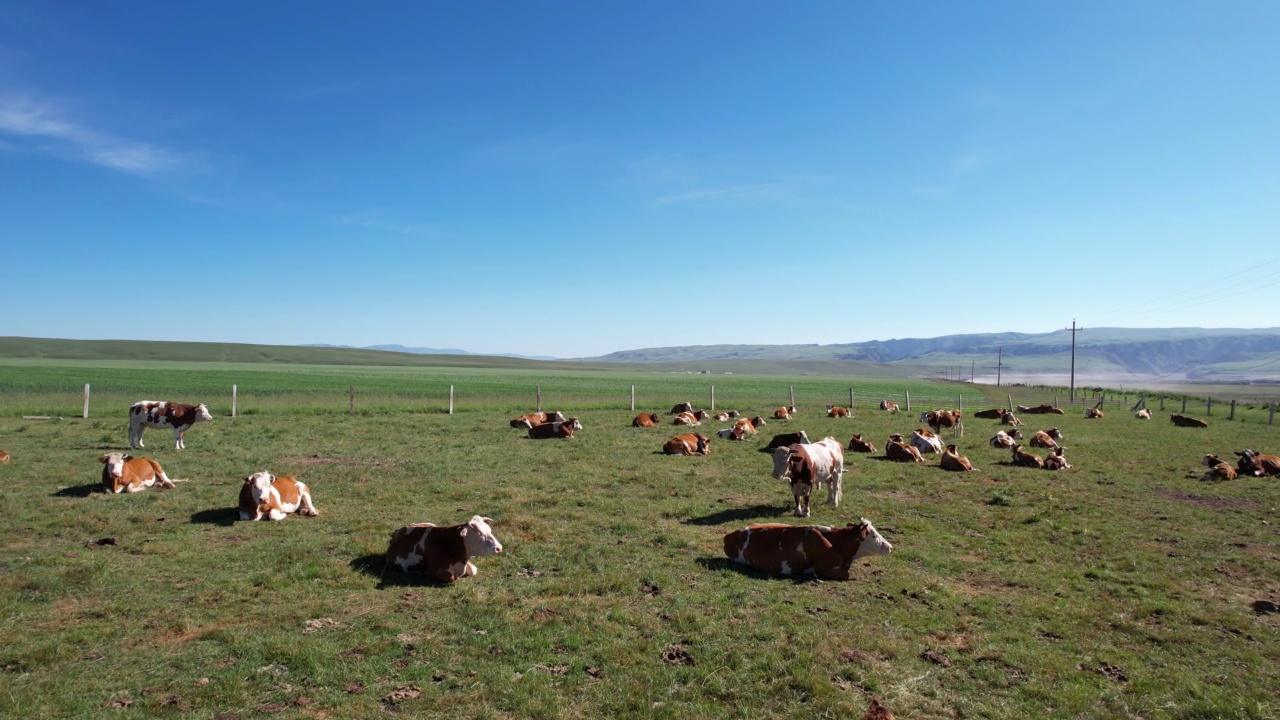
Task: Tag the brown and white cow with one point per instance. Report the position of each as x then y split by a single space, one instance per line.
857 444
688 444
1010 419
163 414
1184 421
992 414
1041 410
681 407
1056 460
442 553
1218 470
818 550
938 419
1004 439
685 418
1050 438
898 450
786 439
701 415
1021 458
555 429
4 457
808 467
733 433
1093 413
925 441
952 460
536 418
836 411
888 406
1257 464
784 413
744 427
1143 414
721 416
126 473
265 495
646 420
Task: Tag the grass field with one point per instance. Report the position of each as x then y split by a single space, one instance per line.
1125 587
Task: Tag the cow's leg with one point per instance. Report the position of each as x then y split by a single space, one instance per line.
469 570
834 489
164 481
177 440
308 507
839 572
442 575
135 436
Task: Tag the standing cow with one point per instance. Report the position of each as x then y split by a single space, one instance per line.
809 467
163 414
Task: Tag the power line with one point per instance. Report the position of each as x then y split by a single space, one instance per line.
1132 308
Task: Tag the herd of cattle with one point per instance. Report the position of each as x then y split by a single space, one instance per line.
444 553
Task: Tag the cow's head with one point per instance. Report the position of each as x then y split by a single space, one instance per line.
259 485
113 471
1054 433
782 463
655 418
757 421
573 422
951 449
803 437
557 416
478 537
202 412
1015 433
1210 460
871 541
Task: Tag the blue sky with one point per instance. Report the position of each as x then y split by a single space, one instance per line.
571 179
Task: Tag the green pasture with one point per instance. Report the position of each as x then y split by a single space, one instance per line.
1125 587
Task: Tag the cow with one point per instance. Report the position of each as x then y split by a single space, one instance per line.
896 449
952 460
1143 414
681 407
1026 459
838 412
557 429
938 419
1047 438
732 433
1004 439
925 441
889 406
735 414
126 473
786 439
857 444
721 416
4 457
536 418
808 467
701 415
685 418
1093 413
1218 470
824 552
1184 421
1041 410
1010 419
745 427
442 553
1056 461
690 444
646 420
265 495
992 414
163 414
1257 464
784 413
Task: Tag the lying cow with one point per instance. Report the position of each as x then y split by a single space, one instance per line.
126 473
1257 464
952 460
1184 421
264 494
896 449
992 414
1004 439
786 439
837 412
1041 410
1093 413
1218 470
1022 458
784 413
888 406
536 418
442 553
817 550
1056 461
857 444
733 433
1010 419
681 407
556 429
721 416
690 444
685 418
808 467
1050 438
925 441
701 415
1143 414
743 428
163 414
646 420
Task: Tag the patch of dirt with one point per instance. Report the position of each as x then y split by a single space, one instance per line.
936 657
1107 670
317 460
399 695
675 654
650 589
313 626
856 655
1204 500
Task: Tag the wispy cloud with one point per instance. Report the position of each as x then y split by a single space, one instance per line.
773 191
66 138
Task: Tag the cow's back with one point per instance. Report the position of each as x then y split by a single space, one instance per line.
425 548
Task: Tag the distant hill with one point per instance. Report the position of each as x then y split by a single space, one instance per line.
430 351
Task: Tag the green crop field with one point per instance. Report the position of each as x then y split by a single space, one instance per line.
1124 587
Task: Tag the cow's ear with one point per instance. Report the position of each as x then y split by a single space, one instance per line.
103 459
488 521
463 531
127 458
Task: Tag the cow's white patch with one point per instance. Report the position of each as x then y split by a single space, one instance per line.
785 569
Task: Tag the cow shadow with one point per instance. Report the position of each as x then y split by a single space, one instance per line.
723 563
226 517
79 491
737 515
375 566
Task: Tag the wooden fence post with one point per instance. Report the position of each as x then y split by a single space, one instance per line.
450 399
1233 410
233 400
1161 403
633 398
850 399
539 408
1271 416
907 395
1184 403
713 398
792 390
85 414
1208 405
960 402
1010 397
352 409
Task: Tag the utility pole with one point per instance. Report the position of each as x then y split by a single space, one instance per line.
999 364
1074 329
971 363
